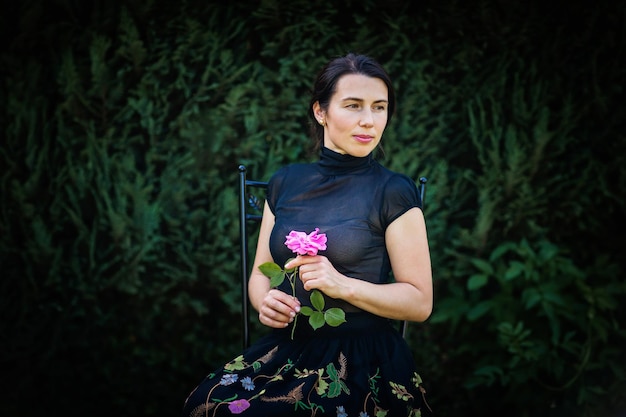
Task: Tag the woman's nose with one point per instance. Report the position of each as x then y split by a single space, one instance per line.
367 118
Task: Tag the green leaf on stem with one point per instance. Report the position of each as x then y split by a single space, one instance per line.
317 299
273 272
307 311
317 320
334 316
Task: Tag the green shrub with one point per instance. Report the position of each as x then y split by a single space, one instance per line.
125 124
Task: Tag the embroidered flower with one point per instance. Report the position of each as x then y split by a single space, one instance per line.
416 379
363 414
238 406
341 412
247 383
303 244
400 391
228 379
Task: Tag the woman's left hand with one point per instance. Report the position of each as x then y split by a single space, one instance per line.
316 272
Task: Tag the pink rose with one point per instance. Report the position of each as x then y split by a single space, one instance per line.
238 406
303 244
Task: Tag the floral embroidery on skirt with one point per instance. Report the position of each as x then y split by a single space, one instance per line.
360 369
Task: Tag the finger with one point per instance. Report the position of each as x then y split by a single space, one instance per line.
282 305
270 322
284 298
273 318
291 303
308 279
294 304
310 285
301 260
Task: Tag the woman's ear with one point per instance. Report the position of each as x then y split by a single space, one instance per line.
317 111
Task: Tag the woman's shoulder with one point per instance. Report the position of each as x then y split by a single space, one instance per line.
394 180
399 194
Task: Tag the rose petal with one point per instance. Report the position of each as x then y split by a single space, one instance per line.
303 244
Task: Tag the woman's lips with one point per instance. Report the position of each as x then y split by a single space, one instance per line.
363 138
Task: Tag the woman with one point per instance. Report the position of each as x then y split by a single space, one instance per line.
374 225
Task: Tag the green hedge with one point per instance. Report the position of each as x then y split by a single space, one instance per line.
125 123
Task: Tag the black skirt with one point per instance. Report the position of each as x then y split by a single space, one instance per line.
363 368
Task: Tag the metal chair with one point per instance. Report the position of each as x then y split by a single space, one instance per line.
250 211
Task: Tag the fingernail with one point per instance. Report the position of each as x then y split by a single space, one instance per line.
297 309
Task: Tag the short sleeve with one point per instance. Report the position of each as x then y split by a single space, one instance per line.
399 196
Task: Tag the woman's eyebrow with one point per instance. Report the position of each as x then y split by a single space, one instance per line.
361 100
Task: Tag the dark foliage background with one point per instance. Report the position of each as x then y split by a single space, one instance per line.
124 124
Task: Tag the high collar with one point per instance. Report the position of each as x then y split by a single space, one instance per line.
334 163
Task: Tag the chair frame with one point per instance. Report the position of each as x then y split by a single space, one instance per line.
247 201
244 218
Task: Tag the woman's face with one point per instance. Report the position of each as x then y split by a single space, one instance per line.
356 116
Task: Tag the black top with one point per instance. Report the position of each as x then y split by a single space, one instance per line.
352 200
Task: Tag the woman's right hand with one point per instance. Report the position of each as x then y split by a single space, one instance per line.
278 309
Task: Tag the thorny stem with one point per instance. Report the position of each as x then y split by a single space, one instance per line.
292 281
293 328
